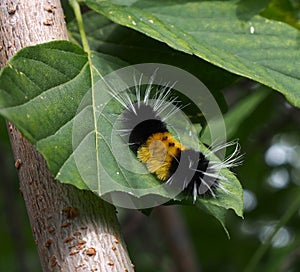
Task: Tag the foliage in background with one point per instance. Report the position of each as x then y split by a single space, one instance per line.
266 51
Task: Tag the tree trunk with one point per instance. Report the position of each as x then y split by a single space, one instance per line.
74 230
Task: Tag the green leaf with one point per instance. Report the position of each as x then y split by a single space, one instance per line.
229 196
221 33
218 212
50 91
40 91
47 79
134 47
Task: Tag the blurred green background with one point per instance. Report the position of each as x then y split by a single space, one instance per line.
268 129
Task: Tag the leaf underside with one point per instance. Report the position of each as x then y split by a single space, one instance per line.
223 33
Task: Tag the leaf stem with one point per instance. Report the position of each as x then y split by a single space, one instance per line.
252 265
74 4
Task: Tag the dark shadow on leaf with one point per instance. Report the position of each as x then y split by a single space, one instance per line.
246 9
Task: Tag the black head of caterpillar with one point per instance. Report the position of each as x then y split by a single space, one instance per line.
141 124
149 138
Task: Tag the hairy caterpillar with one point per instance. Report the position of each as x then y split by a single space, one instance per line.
144 125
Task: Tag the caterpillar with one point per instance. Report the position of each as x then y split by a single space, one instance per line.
144 127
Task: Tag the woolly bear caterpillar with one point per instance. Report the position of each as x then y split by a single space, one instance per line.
145 125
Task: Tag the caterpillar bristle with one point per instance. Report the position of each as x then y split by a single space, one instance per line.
233 160
144 127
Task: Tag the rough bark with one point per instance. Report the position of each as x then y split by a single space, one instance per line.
74 230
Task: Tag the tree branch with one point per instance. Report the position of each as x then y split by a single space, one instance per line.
74 230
